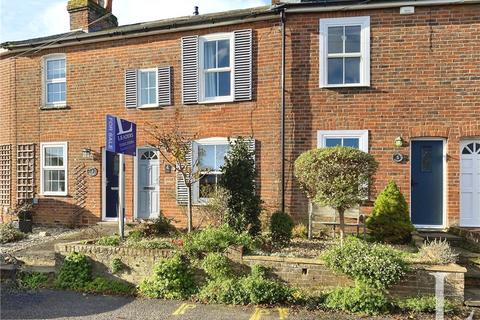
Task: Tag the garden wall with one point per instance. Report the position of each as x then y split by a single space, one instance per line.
298 272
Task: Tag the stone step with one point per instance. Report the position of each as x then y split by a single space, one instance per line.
453 239
38 269
43 258
472 297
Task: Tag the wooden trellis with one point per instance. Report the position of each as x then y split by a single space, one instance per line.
5 174
80 191
25 172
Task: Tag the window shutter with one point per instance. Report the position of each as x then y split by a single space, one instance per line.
164 86
190 70
243 64
182 190
131 88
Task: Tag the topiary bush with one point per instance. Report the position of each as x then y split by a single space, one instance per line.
281 225
238 179
215 239
75 272
375 265
360 299
390 220
173 278
217 266
8 233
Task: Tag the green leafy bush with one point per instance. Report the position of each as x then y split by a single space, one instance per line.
75 272
108 286
8 233
227 291
158 226
281 225
265 291
135 235
425 304
375 265
437 252
390 220
32 280
238 179
215 239
300 231
153 243
173 278
360 299
217 266
117 265
111 241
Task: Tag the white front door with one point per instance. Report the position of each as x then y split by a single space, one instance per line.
148 198
470 183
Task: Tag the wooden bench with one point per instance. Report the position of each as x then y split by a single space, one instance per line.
327 216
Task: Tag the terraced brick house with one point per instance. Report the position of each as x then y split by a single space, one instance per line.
398 79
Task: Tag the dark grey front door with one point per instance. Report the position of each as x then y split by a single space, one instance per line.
427 182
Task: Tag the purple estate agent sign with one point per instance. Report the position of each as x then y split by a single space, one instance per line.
121 135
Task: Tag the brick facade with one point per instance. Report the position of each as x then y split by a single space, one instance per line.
425 82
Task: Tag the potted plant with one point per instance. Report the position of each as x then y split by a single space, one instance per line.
24 214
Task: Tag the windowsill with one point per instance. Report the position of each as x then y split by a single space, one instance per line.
221 100
54 194
349 85
148 106
54 106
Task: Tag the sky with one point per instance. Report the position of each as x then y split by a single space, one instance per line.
24 19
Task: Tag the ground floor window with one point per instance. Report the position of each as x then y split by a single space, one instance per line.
53 168
348 138
210 156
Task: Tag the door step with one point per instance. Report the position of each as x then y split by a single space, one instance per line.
452 239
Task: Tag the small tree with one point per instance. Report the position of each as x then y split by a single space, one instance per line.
390 220
175 148
337 177
238 178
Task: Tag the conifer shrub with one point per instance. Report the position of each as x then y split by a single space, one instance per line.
281 225
390 219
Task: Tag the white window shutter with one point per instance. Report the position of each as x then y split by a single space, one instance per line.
164 86
243 64
190 70
182 190
131 88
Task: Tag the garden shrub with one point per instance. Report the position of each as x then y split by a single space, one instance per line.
32 280
216 206
265 291
437 252
238 179
300 231
426 304
8 233
150 244
111 241
135 235
360 299
158 226
215 239
117 265
173 278
217 266
108 286
281 225
375 265
75 272
227 291
390 220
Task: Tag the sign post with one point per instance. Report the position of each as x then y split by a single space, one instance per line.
121 138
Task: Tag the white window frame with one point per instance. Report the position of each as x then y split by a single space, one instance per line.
208 141
63 145
139 88
45 81
364 23
201 71
362 136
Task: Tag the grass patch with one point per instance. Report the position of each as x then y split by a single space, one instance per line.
33 280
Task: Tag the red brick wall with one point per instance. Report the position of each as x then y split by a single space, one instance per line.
95 87
425 82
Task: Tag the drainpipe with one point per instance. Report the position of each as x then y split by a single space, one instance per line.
282 118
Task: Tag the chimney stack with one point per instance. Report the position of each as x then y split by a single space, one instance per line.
84 12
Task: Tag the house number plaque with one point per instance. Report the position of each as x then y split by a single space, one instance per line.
92 172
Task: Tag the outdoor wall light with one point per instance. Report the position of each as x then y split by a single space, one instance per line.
86 153
168 168
398 142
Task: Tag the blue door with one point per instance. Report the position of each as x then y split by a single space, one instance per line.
427 183
111 184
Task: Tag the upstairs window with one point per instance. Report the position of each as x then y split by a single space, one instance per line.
345 52
147 91
55 81
216 60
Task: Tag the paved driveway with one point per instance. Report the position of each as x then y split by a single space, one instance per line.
53 304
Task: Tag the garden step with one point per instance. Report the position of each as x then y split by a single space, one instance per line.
8 271
453 239
39 269
472 297
45 258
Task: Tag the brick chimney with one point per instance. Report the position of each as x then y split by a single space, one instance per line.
84 12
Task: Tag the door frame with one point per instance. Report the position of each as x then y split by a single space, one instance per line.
135 179
104 185
462 143
444 182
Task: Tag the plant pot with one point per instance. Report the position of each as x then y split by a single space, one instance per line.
25 226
